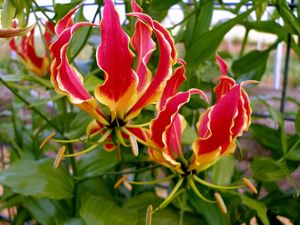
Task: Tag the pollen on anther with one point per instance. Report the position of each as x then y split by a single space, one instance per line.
250 185
48 138
120 181
59 157
220 202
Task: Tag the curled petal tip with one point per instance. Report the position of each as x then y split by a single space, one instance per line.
222 65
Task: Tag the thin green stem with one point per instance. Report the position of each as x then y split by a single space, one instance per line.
154 181
244 42
200 181
196 191
42 10
30 107
182 208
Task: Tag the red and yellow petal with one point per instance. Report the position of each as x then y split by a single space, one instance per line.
119 90
173 84
144 46
67 80
167 57
166 129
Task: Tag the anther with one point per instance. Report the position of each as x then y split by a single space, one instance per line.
220 202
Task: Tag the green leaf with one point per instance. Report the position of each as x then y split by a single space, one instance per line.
260 7
258 206
74 221
223 170
289 19
91 82
158 9
284 204
78 40
96 163
266 169
251 66
211 212
208 42
273 28
46 211
189 136
97 210
168 215
38 179
199 23
8 12
268 137
62 9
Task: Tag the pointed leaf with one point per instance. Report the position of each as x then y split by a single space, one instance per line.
199 51
97 210
251 66
258 206
38 179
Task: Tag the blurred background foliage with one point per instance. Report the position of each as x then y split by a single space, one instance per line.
81 191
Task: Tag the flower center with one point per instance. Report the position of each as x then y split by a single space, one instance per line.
117 123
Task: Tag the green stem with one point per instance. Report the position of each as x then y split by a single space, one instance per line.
244 42
30 106
182 208
196 191
154 181
42 10
200 181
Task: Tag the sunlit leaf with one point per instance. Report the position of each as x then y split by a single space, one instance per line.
266 169
97 210
251 66
208 42
258 206
37 178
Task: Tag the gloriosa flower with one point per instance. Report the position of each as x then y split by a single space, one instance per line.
39 65
218 126
127 89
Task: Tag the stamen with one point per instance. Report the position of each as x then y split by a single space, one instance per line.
134 145
120 181
138 139
45 141
120 137
102 139
149 215
154 181
196 191
200 181
174 193
250 185
59 156
81 139
220 203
